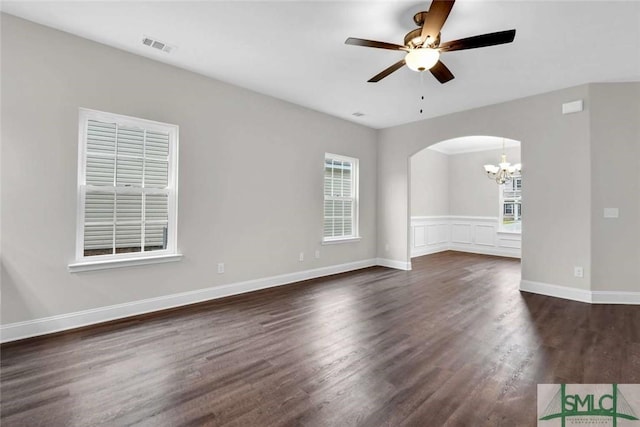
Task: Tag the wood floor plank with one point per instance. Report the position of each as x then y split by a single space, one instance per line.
450 343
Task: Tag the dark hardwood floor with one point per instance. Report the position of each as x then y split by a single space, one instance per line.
451 343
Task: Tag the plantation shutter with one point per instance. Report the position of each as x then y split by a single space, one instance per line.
126 189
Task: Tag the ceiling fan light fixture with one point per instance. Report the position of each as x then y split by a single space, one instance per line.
422 59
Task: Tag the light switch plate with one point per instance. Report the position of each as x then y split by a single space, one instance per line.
611 213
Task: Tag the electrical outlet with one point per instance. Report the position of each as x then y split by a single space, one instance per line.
317 254
386 247
578 272
301 258
220 267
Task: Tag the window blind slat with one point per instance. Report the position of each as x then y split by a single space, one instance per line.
155 236
99 171
156 174
130 141
156 207
98 207
129 237
128 207
129 172
98 237
157 144
101 137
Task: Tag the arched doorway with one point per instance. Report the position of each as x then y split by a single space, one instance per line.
452 204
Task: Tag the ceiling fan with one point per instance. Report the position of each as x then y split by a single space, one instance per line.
423 45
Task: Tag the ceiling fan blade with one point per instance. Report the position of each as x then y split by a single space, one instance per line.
372 43
441 72
484 40
381 75
436 17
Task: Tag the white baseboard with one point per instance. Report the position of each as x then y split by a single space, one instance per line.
391 263
433 249
47 325
615 297
428 250
504 252
547 289
582 295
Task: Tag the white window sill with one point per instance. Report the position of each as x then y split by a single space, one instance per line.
338 241
116 263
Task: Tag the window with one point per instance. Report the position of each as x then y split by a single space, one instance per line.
511 205
127 188
508 209
340 198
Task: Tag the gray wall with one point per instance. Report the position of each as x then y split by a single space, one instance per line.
429 184
230 139
230 209
455 184
552 243
615 181
596 154
471 193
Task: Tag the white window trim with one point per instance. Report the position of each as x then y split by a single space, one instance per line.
99 262
336 240
128 262
355 190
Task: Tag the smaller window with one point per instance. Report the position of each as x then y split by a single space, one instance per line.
517 184
340 198
508 209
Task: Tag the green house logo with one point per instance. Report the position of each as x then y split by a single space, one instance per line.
586 404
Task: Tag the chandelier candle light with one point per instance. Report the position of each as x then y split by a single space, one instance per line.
504 172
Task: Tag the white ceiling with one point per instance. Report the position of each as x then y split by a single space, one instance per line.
469 144
294 50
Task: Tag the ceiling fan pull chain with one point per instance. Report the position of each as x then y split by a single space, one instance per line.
421 87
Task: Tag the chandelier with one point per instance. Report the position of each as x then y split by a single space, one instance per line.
504 172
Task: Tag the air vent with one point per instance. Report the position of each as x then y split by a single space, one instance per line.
358 114
157 44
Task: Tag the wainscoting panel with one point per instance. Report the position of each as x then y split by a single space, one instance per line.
429 235
485 235
419 235
509 240
476 234
432 234
461 233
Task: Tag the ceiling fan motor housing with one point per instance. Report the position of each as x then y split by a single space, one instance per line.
415 35
420 17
